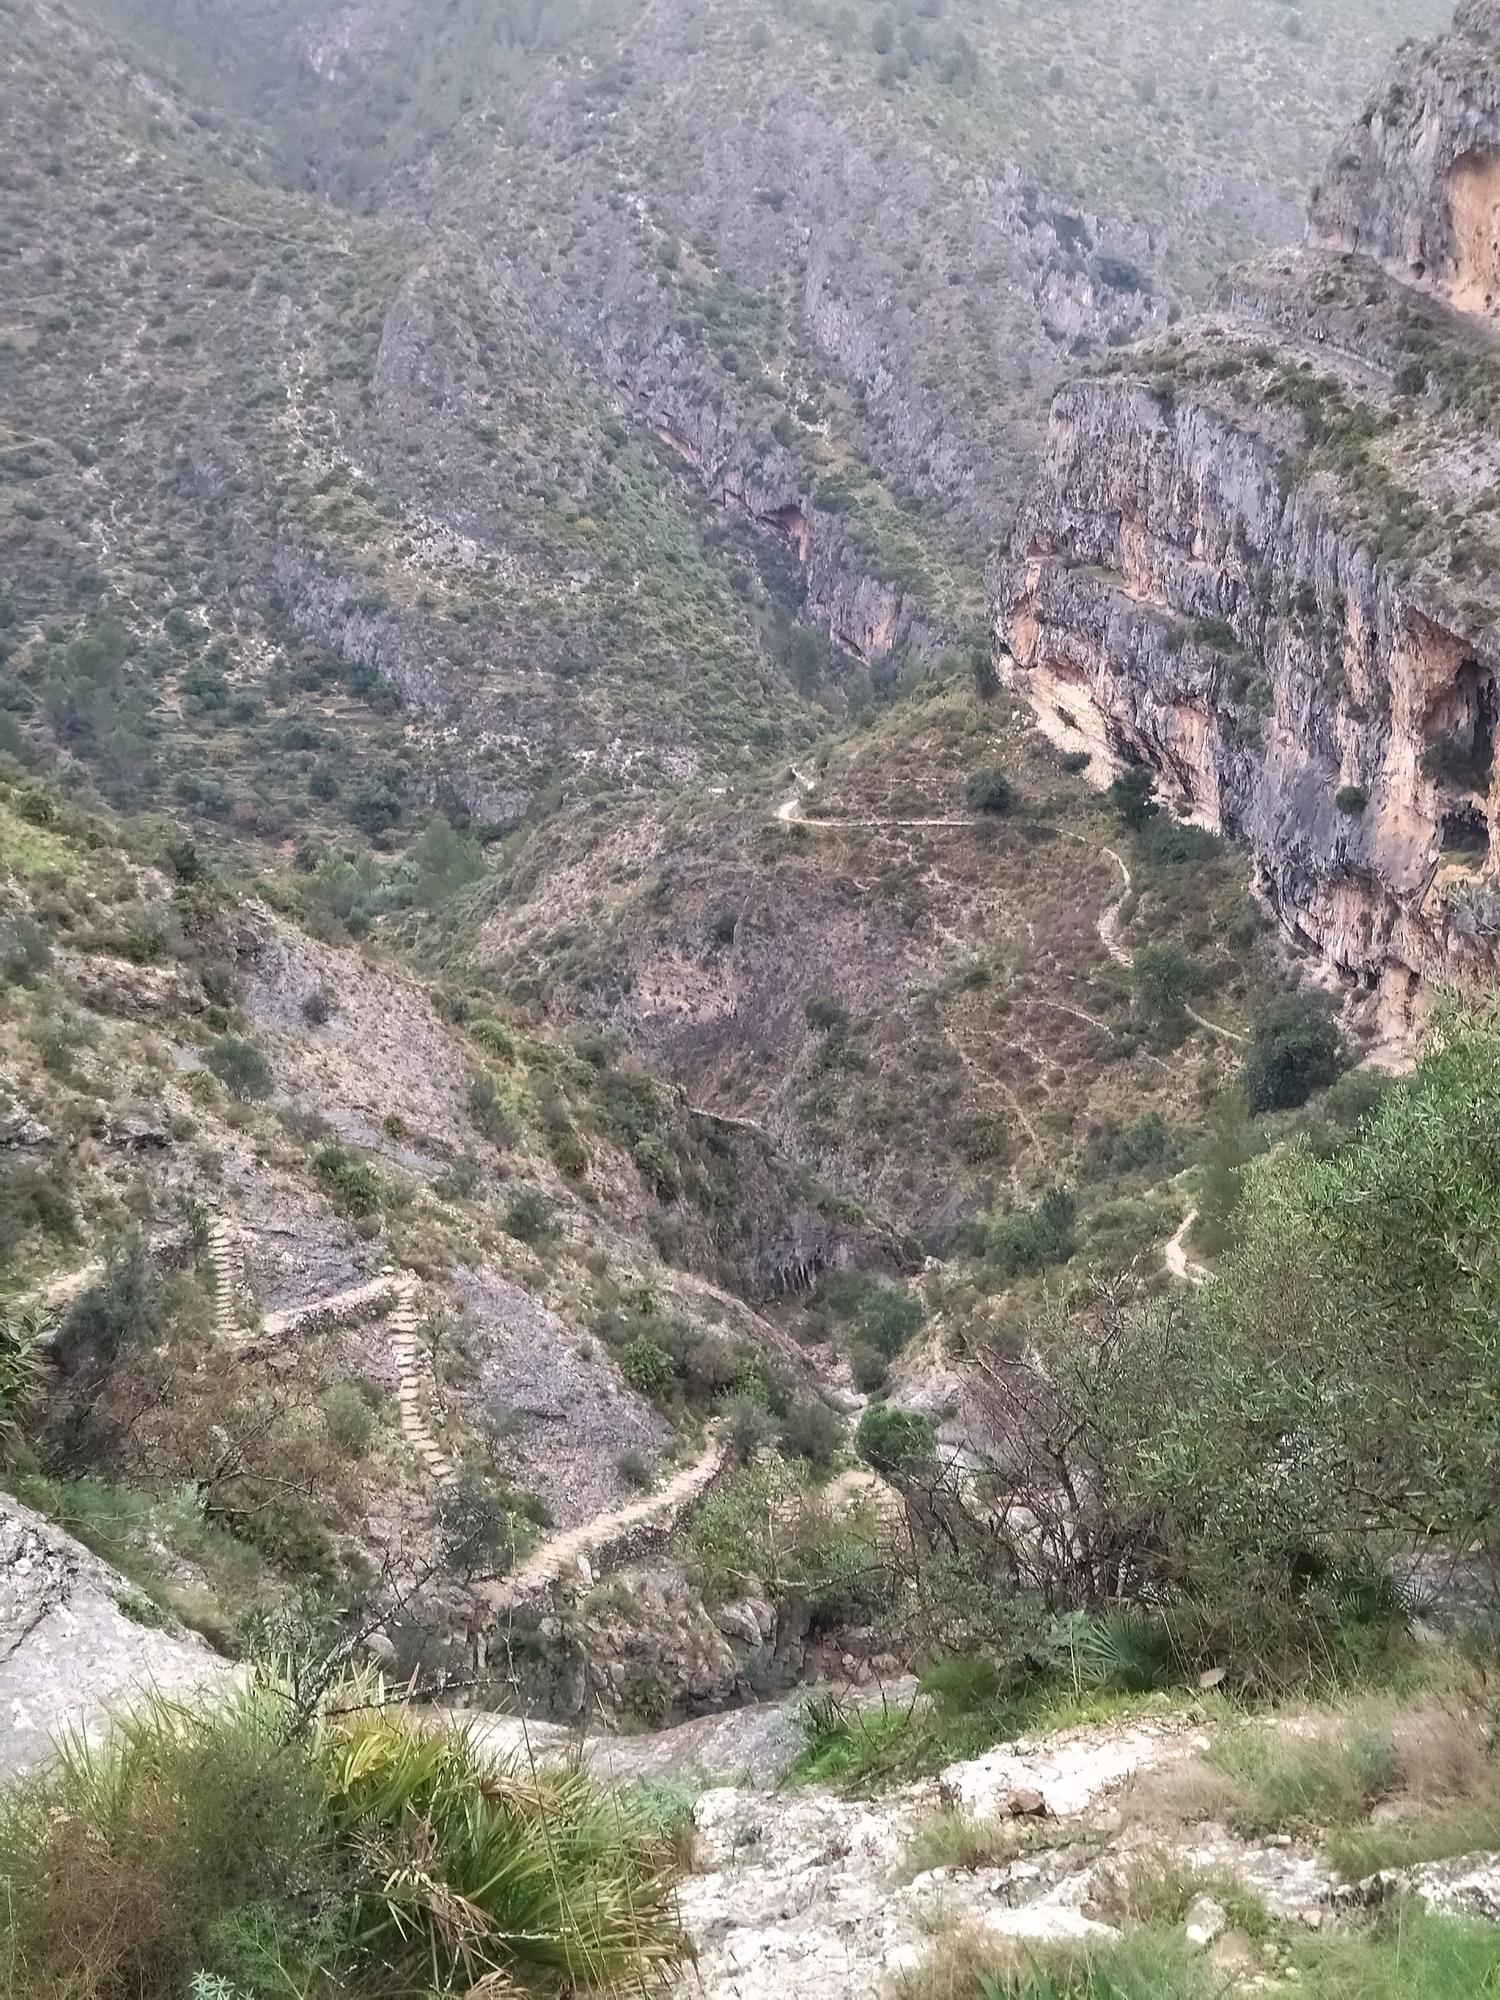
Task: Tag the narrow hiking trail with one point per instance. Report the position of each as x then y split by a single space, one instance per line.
416 1389
790 813
559 1553
1184 1267
416 1381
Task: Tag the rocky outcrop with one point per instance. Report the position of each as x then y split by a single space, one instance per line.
1417 184
1257 560
76 1640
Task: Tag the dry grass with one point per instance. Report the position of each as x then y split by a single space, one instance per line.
955 1839
1430 1765
1155 1887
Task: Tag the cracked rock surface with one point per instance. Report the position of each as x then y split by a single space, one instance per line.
68 1652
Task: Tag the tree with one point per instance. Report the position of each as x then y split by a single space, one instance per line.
443 861
895 1443
1297 1049
1133 796
240 1067
1165 979
989 791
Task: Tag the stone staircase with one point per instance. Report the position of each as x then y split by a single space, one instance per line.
224 1256
416 1387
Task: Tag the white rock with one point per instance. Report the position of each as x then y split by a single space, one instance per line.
1206 1921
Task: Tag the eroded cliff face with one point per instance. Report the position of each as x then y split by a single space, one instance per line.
1258 560
1416 186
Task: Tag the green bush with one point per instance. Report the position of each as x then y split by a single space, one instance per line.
896 1443
811 1431
240 1067
1351 798
1132 796
350 1420
647 1367
1296 1049
25 951
530 1217
1034 1239
989 791
352 1182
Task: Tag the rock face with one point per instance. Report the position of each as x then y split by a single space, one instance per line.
68 1651
1417 185
1257 561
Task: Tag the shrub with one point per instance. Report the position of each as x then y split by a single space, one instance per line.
636 1469
748 1425
1351 798
25 951
869 1369
813 1432
122 1310
1296 1049
352 1182
989 791
241 1068
1165 980
317 1008
36 1198
386 1856
896 1443
647 1367
350 1420
530 1217
827 1015
490 1117
1036 1238
1133 796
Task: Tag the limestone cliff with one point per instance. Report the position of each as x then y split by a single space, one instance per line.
1417 184
1259 560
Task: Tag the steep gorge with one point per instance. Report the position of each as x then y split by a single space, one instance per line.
1260 556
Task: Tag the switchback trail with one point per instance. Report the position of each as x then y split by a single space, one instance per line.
559 1553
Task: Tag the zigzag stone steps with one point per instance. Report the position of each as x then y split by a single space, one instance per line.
224 1255
415 1386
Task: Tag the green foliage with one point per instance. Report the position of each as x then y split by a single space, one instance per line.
1410 1954
20 1373
989 791
1296 1049
35 1199
121 1312
530 1216
240 1067
1165 979
352 1182
350 1420
25 951
813 1432
898 1444
827 1015
1035 1239
1132 796
387 1856
647 1367
1148 1965
1351 799
443 862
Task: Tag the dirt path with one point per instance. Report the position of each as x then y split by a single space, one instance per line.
790 813
1109 918
1109 937
1186 1269
560 1553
